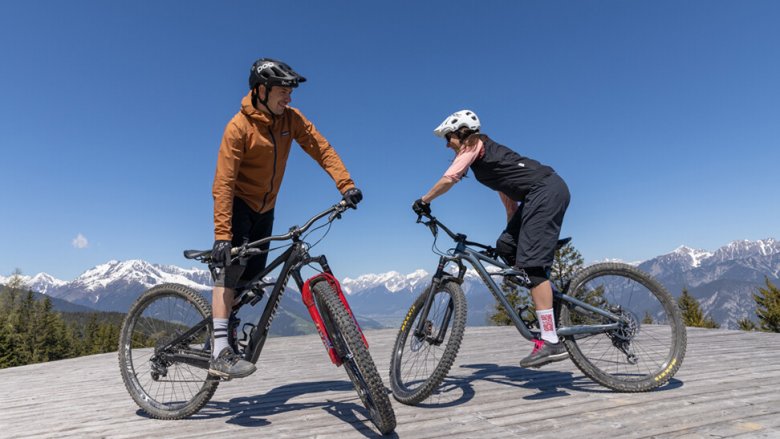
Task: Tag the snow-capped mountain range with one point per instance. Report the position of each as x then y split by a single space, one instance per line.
722 280
393 281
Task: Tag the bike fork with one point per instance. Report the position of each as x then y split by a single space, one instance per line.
423 324
308 300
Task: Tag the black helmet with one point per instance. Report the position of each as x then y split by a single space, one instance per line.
270 72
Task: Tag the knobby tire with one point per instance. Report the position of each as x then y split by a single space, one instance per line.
173 390
418 366
656 334
357 361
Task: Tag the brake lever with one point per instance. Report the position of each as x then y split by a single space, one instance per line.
341 207
432 226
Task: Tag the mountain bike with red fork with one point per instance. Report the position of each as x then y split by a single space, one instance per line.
166 337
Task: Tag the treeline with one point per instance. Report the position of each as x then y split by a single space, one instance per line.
32 332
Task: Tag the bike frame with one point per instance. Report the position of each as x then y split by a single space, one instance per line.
292 261
475 258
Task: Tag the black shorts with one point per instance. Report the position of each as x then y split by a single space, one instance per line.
246 226
536 226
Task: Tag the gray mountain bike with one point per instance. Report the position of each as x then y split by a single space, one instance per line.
165 340
620 327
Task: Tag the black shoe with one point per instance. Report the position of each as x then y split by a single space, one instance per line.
544 352
228 365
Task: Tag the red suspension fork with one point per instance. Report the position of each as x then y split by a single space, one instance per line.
308 300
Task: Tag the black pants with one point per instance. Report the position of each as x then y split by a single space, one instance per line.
247 226
533 231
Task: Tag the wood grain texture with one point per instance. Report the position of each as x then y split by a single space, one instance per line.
728 386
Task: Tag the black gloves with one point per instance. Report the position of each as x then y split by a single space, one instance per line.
420 207
352 197
220 253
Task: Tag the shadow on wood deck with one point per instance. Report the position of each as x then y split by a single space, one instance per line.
728 386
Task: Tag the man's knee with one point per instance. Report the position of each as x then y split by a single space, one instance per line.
229 276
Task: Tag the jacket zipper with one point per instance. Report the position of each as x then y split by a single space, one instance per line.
273 173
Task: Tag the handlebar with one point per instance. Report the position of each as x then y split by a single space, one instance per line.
334 211
251 248
434 224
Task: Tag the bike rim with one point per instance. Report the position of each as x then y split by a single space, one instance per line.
165 384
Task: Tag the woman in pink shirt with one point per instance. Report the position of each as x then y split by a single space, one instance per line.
535 199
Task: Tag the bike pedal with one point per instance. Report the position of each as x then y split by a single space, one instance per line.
214 377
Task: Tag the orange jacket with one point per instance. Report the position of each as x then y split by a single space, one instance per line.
252 159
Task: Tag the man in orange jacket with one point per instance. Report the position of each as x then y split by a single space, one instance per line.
250 167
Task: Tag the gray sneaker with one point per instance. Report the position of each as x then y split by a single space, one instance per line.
544 352
228 365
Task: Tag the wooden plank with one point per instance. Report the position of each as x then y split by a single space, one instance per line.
728 386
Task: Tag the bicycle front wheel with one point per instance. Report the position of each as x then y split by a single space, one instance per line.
346 338
421 361
167 380
648 347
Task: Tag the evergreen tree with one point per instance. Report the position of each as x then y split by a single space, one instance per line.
648 319
768 307
6 348
568 261
48 335
72 337
16 351
31 331
91 340
25 328
747 325
108 337
500 317
692 314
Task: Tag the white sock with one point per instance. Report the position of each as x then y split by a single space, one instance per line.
220 336
547 325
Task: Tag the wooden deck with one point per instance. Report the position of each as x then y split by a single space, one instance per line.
729 386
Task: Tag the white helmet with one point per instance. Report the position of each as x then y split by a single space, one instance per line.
462 118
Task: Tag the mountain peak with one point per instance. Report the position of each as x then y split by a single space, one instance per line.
694 256
392 280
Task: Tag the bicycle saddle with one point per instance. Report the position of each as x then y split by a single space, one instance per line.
194 254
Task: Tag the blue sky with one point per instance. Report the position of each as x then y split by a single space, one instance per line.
662 116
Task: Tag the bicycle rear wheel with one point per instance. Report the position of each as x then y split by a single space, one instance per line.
161 385
420 362
647 349
357 361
